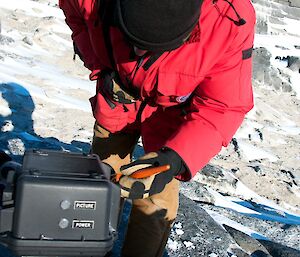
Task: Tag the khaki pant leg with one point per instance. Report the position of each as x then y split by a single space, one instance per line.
114 149
150 223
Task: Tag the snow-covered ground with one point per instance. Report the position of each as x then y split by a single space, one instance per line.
44 104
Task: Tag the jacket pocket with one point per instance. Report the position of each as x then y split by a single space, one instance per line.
174 88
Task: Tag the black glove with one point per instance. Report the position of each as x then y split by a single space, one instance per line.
149 174
9 169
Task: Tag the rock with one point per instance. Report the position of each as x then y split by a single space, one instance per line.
196 192
217 178
286 235
202 235
239 252
261 64
294 3
28 41
247 243
278 250
212 171
293 63
265 74
261 26
4 40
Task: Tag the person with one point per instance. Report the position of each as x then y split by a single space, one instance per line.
176 73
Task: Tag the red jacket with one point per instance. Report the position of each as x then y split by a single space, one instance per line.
212 69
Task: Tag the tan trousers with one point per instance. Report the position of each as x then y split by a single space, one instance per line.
150 219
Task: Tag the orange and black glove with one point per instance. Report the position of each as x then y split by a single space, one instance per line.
149 174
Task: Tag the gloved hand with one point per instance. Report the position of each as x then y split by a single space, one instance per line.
149 174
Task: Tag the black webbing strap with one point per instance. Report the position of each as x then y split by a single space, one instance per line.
101 8
108 21
152 59
141 109
247 53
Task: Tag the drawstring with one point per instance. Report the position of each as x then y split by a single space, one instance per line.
141 109
240 21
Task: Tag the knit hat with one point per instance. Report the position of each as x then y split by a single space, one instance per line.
157 25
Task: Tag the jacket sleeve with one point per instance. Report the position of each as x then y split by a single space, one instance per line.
80 35
218 104
204 132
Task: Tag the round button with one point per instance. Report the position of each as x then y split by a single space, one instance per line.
65 204
63 223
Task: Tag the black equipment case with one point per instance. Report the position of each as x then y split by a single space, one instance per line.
62 204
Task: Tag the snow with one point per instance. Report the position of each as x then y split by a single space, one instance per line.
5 111
295 79
223 202
178 225
179 231
282 46
189 244
60 100
271 42
173 245
31 8
7 127
254 153
16 147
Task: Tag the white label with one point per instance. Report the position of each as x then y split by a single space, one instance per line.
85 205
85 224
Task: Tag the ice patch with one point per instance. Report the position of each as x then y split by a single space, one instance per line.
222 220
223 202
29 137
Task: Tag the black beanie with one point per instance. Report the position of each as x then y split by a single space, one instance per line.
157 25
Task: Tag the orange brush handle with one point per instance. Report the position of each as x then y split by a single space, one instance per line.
118 176
149 172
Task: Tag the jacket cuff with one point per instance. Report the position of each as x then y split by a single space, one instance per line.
186 174
95 74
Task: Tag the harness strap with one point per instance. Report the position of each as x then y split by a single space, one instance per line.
152 59
106 13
